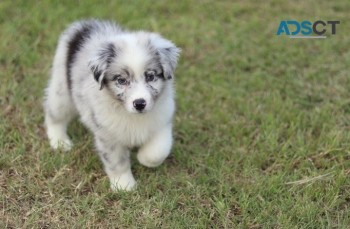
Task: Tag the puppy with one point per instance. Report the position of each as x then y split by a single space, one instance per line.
120 83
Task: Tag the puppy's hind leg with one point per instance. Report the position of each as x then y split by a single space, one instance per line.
59 111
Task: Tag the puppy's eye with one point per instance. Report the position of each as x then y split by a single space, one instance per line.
161 75
122 81
149 76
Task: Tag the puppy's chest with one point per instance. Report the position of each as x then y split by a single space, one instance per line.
130 131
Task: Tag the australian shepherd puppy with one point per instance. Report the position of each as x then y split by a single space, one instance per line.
120 83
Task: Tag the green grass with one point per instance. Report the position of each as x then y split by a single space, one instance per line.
261 132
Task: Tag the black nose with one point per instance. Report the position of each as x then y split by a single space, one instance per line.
139 104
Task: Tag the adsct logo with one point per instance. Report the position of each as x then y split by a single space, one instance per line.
307 29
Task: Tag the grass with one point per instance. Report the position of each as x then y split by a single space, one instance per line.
261 132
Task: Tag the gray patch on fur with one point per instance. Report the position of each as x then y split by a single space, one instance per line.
120 163
155 92
94 119
105 157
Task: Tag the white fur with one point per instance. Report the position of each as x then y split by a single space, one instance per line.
117 126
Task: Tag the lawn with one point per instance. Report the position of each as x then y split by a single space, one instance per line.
261 131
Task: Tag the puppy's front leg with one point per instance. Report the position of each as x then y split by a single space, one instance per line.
154 152
116 161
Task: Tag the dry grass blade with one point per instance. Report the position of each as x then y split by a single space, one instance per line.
310 179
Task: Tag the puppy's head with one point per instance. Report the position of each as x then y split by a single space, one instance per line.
135 68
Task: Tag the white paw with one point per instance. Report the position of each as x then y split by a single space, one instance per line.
149 160
64 143
154 152
124 182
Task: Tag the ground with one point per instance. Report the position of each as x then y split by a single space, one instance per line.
261 130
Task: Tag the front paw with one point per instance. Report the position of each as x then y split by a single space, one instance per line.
61 143
150 159
125 182
154 152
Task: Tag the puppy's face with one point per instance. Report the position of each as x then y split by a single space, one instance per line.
135 68
136 85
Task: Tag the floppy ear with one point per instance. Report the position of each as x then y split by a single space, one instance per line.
100 63
168 54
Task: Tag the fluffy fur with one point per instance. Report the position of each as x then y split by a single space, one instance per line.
120 83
